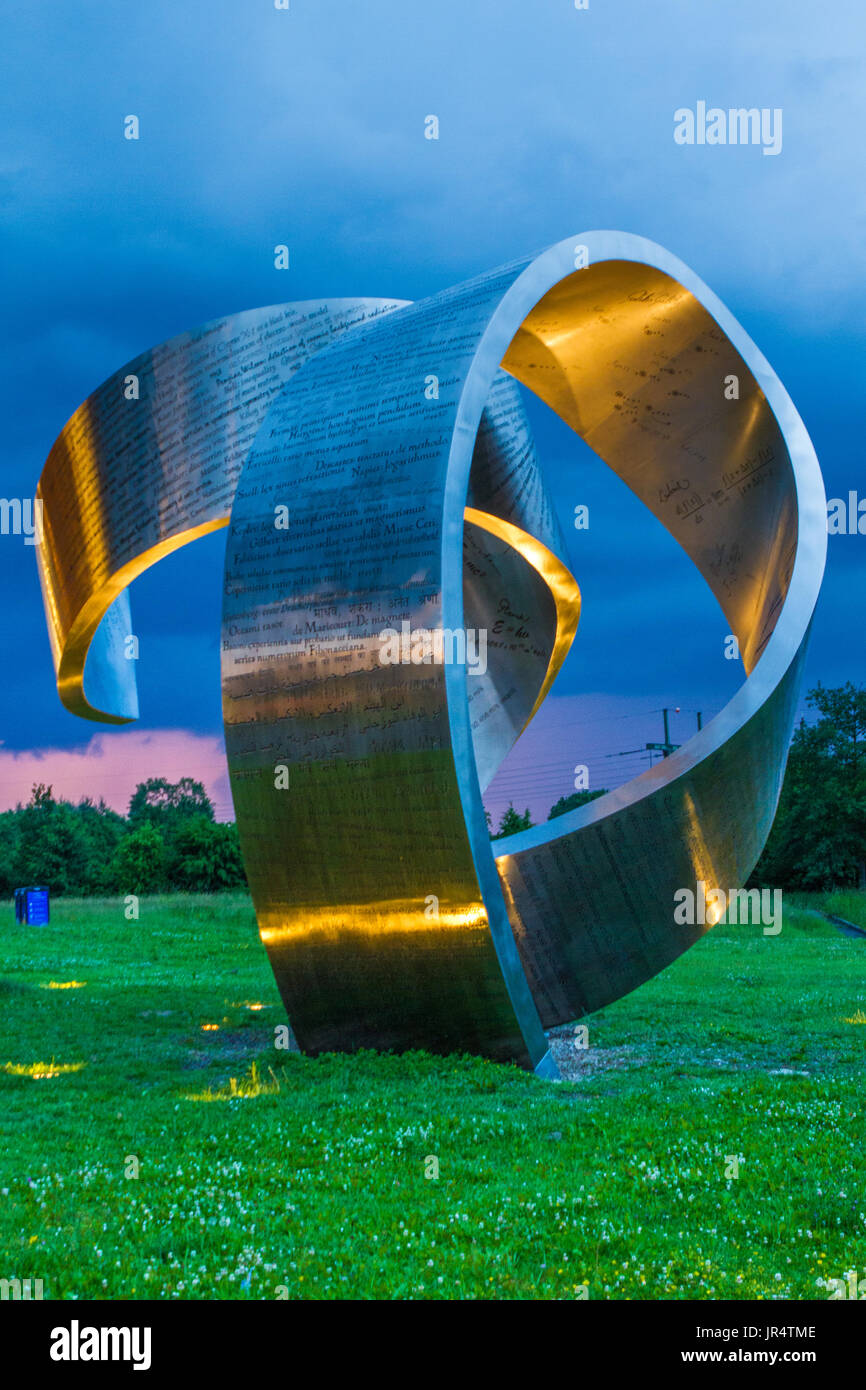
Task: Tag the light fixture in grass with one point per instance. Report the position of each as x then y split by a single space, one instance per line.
41 1071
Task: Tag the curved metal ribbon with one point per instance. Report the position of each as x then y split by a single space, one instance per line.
393 488
149 463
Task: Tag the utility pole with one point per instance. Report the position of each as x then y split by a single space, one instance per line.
667 747
700 721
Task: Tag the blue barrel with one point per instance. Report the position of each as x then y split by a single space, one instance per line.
33 906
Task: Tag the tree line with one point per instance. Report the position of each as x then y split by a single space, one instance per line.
167 842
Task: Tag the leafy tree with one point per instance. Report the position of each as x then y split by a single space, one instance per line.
818 839
205 857
170 841
10 837
103 830
511 822
138 863
571 803
165 804
52 844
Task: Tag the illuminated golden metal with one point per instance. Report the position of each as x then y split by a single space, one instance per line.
149 463
70 647
559 580
375 919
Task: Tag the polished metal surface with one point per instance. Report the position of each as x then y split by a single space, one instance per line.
361 870
389 918
150 462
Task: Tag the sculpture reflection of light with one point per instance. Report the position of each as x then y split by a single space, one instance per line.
376 919
702 863
559 580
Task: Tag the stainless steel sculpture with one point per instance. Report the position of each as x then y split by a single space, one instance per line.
384 481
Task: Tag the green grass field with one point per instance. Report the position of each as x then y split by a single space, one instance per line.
262 1174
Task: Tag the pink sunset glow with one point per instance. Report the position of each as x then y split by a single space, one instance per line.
111 765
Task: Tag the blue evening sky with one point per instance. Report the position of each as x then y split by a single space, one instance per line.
306 126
